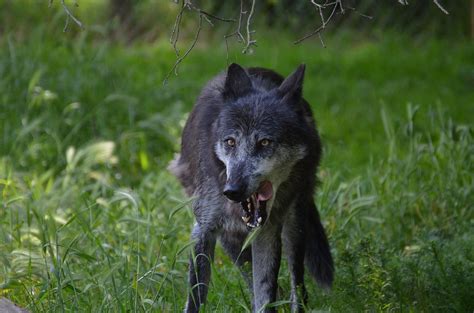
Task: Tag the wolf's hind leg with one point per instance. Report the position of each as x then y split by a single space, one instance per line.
200 267
293 236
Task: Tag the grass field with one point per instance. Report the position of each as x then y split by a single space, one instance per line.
91 221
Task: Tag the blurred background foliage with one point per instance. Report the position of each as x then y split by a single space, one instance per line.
150 19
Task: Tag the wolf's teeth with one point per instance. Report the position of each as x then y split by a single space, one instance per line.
259 220
246 218
249 205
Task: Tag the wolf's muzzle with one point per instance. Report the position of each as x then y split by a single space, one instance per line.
234 192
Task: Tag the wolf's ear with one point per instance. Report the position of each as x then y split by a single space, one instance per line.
292 86
237 82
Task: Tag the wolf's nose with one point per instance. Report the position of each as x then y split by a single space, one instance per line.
234 192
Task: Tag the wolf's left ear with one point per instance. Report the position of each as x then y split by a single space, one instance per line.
237 82
292 86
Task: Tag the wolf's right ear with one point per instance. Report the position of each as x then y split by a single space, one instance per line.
237 82
292 86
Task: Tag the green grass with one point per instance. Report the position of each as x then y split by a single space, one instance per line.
91 221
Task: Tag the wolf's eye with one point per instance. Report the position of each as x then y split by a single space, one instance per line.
264 142
230 142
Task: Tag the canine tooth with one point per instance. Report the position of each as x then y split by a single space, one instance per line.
254 201
260 219
246 218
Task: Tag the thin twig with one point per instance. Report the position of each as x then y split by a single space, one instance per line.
222 19
441 7
180 59
239 27
250 41
405 2
324 22
361 14
175 33
66 24
176 28
321 39
69 16
237 33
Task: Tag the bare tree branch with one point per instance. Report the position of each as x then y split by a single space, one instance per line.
359 13
181 58
209 18
405 2
243 31
175 31
203 15
324 22
222 19
237 33
250 41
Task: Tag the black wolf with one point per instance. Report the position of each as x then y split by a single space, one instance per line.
249 155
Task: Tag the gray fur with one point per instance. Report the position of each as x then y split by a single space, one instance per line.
246 106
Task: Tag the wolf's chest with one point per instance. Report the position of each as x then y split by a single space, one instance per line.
232 219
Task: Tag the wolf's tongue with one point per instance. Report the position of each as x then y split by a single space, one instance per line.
265 191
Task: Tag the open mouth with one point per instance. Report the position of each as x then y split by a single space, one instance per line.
254 208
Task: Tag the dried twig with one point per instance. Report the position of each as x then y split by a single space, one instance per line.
359 13
181 58
440 7
237 33
324 22
405 2
69 15
245 38
203 15
176 28
337 4
222 19
243 32
250 41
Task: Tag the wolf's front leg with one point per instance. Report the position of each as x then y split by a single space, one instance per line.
294 244
266 257
200 267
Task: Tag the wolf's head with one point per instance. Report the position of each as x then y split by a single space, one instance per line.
261 134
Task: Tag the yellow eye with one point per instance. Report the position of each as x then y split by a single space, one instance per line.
264 142
230 142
